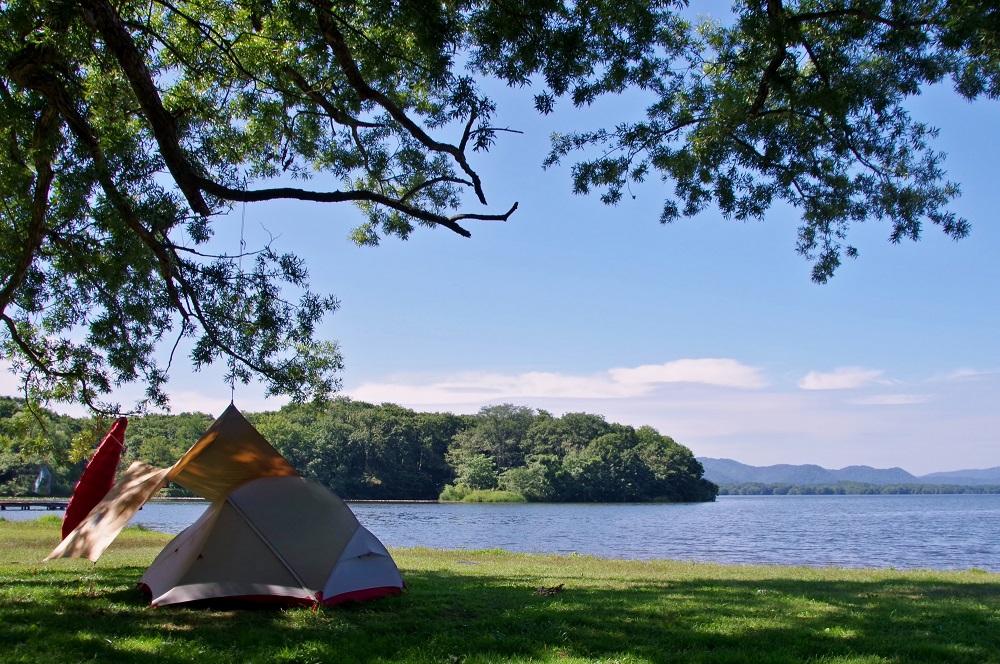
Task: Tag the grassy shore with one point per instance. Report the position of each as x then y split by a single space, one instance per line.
484 606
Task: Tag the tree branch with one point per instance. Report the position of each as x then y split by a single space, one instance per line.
43 149
335 40
857 13
320 100
28 72
774 12
36 361
239 195
484 217
423 185
101 16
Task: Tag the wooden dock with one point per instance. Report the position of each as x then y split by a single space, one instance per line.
50 505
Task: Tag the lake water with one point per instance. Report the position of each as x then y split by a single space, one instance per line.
906 532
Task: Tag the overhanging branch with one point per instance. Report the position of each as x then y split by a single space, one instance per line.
101 16
335 40
244 196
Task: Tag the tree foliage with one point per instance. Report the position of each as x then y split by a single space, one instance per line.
31 439
132 128
802 102
578 457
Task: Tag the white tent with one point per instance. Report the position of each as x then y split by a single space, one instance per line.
274 539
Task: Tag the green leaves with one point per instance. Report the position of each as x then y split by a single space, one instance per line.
130 128
797 102
576 457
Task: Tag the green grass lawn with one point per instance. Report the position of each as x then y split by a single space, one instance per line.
483 606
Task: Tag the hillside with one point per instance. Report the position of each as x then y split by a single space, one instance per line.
983 476
727 471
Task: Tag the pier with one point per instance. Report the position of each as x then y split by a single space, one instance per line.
50 505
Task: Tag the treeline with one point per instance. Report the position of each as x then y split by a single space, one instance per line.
848 488
385 452
31 440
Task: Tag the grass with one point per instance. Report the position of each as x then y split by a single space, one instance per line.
474 607
462 494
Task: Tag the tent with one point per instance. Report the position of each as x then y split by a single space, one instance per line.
268 535
281 539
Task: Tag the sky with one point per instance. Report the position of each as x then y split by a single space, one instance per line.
708 330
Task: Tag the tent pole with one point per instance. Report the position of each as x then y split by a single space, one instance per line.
267 542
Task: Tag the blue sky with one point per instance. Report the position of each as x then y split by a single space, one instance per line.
709 330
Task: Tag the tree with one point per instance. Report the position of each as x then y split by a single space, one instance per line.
33 439
131 129
363 451
560 436
537 480
677 474
498 432
614 471
477 472
436 432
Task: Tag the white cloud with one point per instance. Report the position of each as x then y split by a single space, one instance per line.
892 400
963 374
719 372
844 378
617 383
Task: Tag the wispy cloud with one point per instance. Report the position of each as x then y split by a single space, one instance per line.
616 383
718 372
963 374
844 378
892 400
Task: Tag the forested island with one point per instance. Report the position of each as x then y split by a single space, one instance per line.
363 451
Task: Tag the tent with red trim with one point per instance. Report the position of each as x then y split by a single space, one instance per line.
275 539
268 535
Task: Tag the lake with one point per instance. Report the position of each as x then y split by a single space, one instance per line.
906 532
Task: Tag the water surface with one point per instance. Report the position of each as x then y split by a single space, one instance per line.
906 532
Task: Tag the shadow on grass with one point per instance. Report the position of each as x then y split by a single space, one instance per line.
461 616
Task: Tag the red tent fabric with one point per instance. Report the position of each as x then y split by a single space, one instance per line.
97 479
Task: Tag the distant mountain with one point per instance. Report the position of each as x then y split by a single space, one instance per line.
870 475
985 476
727 471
